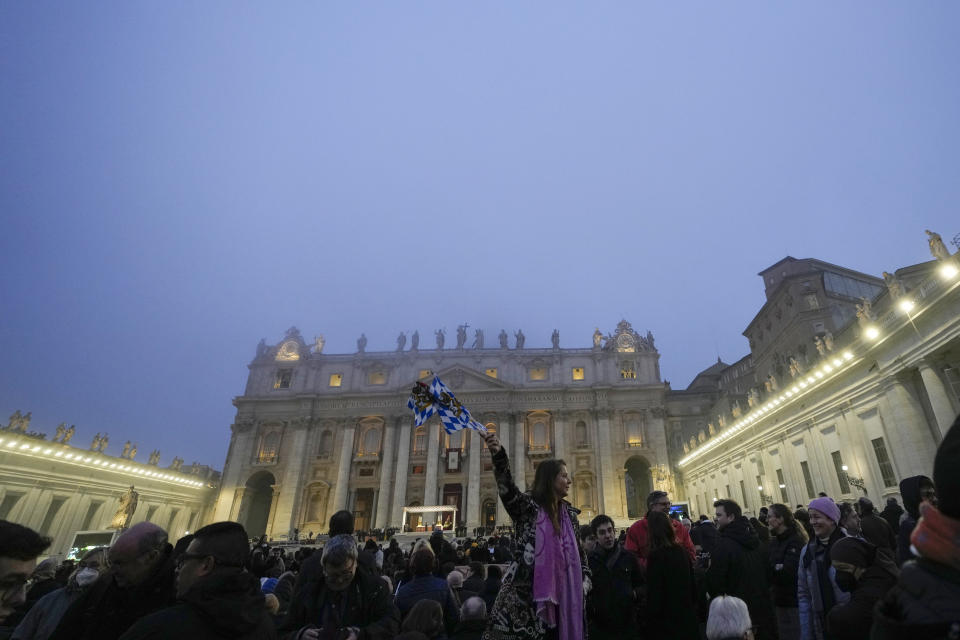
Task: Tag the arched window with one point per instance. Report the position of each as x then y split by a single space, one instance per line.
326 443
581 433
539 436
420 441
371 441
269 447
634 436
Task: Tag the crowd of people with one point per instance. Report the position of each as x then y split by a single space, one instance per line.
824 571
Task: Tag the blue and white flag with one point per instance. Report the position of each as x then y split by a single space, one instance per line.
439 399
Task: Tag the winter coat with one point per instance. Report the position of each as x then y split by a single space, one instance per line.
105 611
851 620
891 513
514 615
785 550
877 532
45 615
369 607
638 542
469 630
738 568
429 587
611 607
925 603
910 491
671 596
810 594
228 606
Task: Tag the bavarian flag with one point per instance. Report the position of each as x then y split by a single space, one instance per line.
438 398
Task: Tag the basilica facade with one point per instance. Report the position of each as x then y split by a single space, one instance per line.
317 432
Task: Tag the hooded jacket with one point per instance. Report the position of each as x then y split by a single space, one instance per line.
851 620
738 568
217 606
910 492
925 603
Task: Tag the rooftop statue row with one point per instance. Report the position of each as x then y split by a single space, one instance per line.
293 345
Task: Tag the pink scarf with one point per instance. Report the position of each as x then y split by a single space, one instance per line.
557 577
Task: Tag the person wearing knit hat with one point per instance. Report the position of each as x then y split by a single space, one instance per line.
867 576
817 589
925 603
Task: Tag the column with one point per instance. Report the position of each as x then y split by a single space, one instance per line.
560 437
292 479
235 507
240 453
274 532
940 402
503 432
343 473
400 481
610 497
519 452
386 470
915 448
472 517
430 488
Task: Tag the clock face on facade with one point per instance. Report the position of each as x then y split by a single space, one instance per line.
625 342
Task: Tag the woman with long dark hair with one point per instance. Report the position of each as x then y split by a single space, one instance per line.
789 538
671 592
542 593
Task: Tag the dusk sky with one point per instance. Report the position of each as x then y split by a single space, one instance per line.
181 179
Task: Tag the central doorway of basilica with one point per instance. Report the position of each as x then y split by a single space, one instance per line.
638 486
363 510
257 498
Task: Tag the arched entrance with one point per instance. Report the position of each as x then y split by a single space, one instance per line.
638 485
257 498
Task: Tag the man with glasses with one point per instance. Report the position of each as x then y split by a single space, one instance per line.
19 548
217 597
637 540
141 581
341 602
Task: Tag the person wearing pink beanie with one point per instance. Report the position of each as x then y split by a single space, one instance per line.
817 590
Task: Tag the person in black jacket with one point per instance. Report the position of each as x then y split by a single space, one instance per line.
915 490
737 567
612 603
671 592
866 575
341 601
789 538
875 529
891 513
217 597
141 581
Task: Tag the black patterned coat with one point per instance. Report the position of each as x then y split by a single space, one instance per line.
514 614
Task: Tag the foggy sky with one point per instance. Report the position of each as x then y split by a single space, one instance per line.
181 179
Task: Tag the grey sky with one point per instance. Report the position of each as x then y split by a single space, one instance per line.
178 180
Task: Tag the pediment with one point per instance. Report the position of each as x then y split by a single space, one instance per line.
460 379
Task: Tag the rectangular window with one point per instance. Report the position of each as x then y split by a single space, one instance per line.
336 379
538 373
883 459
418 470
728 493
808 479
578 373
716 494
282 381
492 372
841 474
760 468
366 471
628 371
52 512
91 512
760 487
152 510
743 493
377 377
424 373
783 487
9 502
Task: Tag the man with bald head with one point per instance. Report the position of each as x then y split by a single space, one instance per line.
141 580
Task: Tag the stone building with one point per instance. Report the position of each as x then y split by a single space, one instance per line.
851 383
59 489
317 432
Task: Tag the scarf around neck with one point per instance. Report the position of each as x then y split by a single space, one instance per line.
937 537
557 578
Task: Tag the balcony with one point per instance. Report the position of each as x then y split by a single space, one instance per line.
539 451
